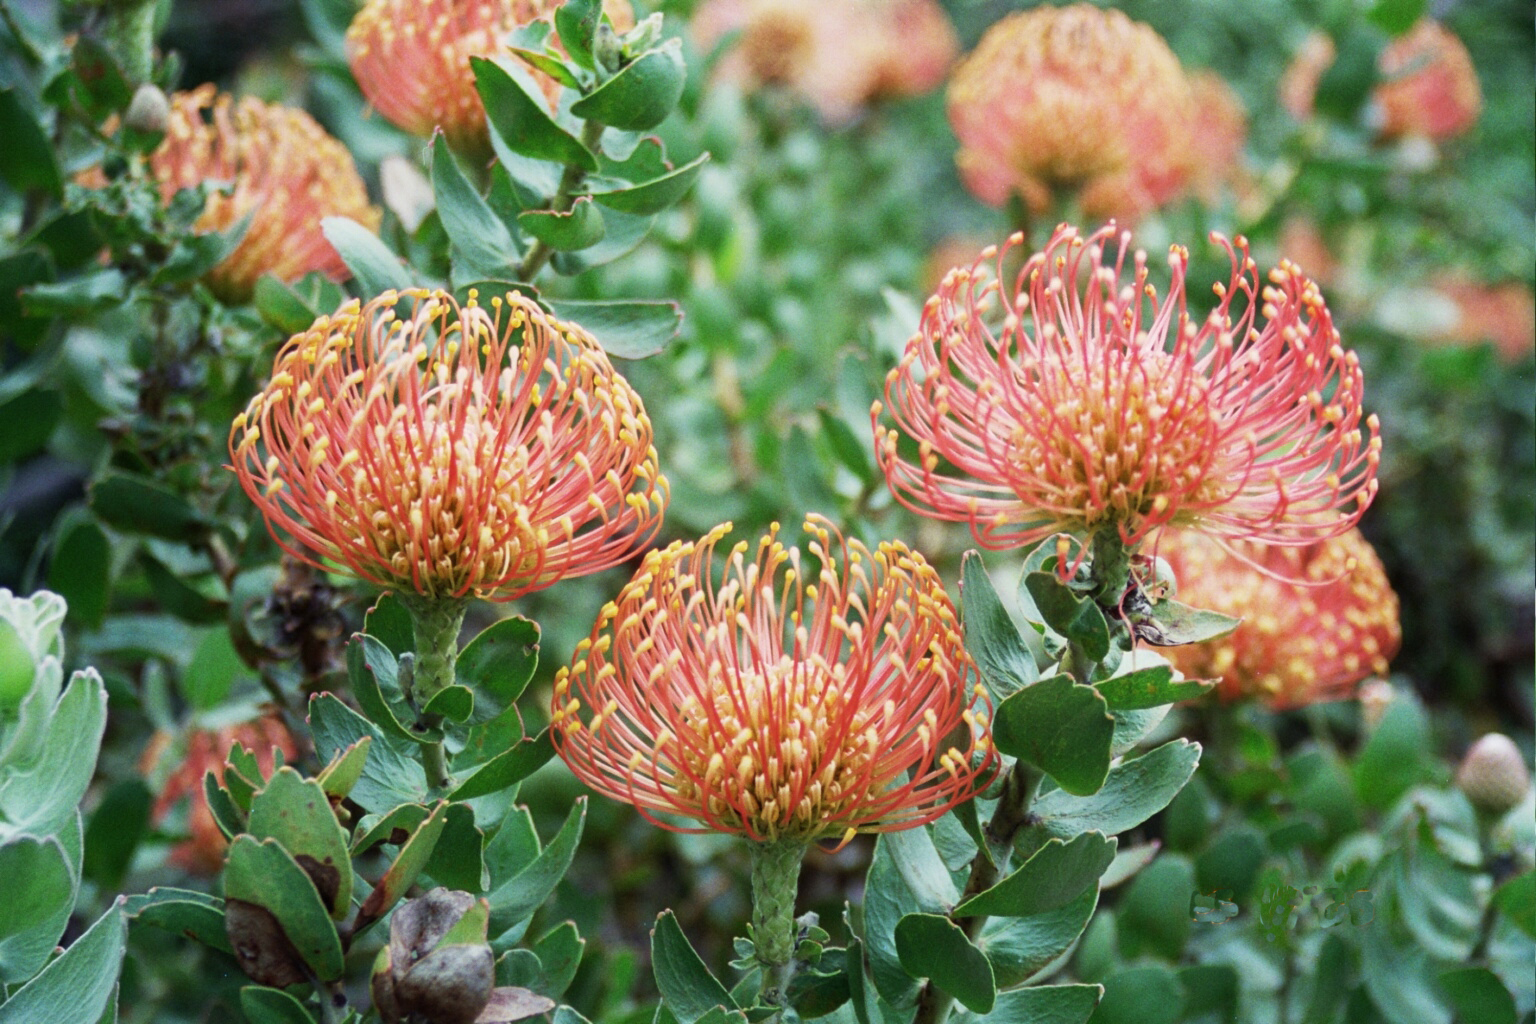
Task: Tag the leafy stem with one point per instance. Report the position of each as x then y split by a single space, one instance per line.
564 198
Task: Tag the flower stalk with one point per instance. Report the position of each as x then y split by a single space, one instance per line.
775 881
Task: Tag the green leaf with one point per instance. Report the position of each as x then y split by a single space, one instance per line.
550 65
1395 756
211 674
994 642
1062 728
296 812
626 329
458 859
389 623
390 777
621 233
375 268
1477 994
1141 995
18 670
1516 899
408 863
90 292
1148 688
137 504
518 115
1400 979
1043 1004
1078 619
1154 914
26 160
272 1006
282 306
1232 861
1170 623
508 768
453 702
1134 791
33 915
1055 875
655 195
526 891
559 952
221 804
179 597
80 569
182 912
922 869
566 231
482 242
116 826
497 665
934 947
687 988
641 96
576 21
80 987
30 417
42 798
261 873
1396 16
816 991
344 769
1019 947
886 901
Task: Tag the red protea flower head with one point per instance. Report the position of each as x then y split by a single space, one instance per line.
282 170
1074 98
785 702
202 852
450 451
1316 619
1079 399
411 59
1429 85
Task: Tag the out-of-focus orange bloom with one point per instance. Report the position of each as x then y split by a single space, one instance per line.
1429 87
1504 314
838 54
1074 397
1220 131
206 750
282 170
1300 642
411 58
1304 245
1074 98
786 702
450 451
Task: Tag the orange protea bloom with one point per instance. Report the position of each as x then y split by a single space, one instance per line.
411 58
1429 85
1073 98
1504 314
206 750
1310 62
1221 125
1077 400
838 54
452 451
775 706
285 172
1316 621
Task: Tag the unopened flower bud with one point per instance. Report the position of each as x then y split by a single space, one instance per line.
1375 697
607 49
149 111
437 965
1493 775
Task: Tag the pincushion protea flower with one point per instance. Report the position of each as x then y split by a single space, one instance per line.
1073 98
784 703
1316 619
284 172
411 58
1079 400
450 452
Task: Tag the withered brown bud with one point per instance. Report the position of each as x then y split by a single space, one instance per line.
437 965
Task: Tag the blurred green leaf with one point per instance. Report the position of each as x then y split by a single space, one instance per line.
296 812
375 268
90 292
1476 994
1396 16
1141 995
116 826
80 987
519 116
26 160
282 306
1516 899
934 947
30 417
1060 727
577 228
1232 861
626 329
211 674
176 595
272 1006
1394 756
687 988
1133 792
137 504
655 195
80 569
34 914
641 95
1042 1004
1154 914
1053 876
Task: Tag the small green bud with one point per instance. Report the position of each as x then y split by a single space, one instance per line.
1493 775
149 112
17 669
607 49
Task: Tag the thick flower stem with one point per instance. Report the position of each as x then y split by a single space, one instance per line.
436 623
775 880
1111 566
130 36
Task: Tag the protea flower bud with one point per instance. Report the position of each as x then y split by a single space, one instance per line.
1316 619
784 703
149 111
1493 774
282 171
411 59
1429 87
1078 99
1074 398
450 452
